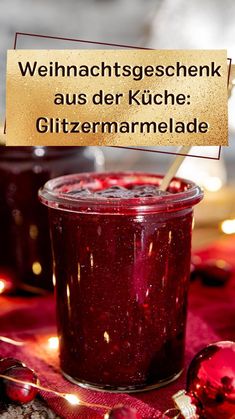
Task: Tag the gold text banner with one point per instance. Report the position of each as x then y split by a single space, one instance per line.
117 97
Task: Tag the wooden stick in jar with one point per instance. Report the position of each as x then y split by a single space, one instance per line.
174 167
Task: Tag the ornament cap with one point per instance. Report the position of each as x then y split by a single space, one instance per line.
184 403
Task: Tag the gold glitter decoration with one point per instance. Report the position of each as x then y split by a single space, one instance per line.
31 98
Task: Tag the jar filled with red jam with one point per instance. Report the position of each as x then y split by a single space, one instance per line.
25 250
121 257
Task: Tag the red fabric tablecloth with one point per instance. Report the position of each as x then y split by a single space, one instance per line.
211 317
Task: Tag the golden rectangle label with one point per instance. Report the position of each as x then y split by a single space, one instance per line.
117 97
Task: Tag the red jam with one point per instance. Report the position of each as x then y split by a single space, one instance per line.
122 259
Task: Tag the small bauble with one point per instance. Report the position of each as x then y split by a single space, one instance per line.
19 392
122 412
211 381
6 363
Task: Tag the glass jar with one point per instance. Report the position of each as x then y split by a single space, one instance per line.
25 251
122 258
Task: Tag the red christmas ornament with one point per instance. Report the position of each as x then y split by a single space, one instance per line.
19 392
6 363
210 384
122 412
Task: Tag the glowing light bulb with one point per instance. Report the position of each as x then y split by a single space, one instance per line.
53 343
6 284
228 226
212 183
72 399
2 286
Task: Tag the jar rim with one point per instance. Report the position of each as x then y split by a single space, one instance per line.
51 195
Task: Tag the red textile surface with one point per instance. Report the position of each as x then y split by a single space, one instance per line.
211 317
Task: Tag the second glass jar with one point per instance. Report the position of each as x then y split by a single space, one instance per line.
25 250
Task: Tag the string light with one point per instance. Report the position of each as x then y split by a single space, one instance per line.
72 399
53 343
11 341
